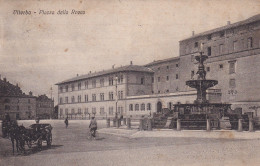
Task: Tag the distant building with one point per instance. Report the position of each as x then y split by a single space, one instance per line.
16 103
233 59
44 107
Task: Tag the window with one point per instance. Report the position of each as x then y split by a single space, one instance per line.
29 101
67 88
177 65
208 69
94 110
120 94
29 108
221 66
18 108
72 99
159 79
93 83
177 76
102 82
7 101
72 111
136 107
111 97
61 111
149 106
102 111
167 67
232 83
79 86
209 51
167 91
167 78
159 91
66 99
79 111
93 97
250 42
142 107
130 107
66 111
221 49
196 44
79 98
110 80
102 98
235 46
86 84
122 78
232 67
159 68
72 87
152 79
110 111
7 107
209 37
192 74
61 89
60 100
142 80
86 111
86 98
170 105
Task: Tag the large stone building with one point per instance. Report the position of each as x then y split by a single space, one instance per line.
234 60
16 103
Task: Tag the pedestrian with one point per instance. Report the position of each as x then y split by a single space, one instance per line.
66 122
93 127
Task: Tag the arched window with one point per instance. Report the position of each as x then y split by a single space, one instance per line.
136 107
66 111
149 106
142 107
130 107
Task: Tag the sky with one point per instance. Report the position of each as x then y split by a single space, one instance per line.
37 51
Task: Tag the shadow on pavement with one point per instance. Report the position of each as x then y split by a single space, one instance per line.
35 149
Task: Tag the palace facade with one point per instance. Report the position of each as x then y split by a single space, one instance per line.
233 59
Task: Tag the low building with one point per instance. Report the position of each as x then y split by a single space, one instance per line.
44 107
16 103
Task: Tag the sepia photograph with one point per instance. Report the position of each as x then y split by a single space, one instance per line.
130 82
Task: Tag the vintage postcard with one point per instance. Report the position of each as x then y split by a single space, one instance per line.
130 82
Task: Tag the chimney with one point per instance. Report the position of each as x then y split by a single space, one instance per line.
30 93
0 77
193 33
131 62
77 75
17 84
4 79
228 22
89 72
113 66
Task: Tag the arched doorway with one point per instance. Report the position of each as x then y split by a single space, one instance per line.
159 107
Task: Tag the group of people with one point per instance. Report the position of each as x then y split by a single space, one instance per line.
92 126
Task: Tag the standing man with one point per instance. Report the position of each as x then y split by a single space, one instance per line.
66 122
93 127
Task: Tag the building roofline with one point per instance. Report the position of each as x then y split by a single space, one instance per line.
131 68
162 61
222 28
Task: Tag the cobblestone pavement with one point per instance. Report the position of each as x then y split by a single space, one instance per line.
71 147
